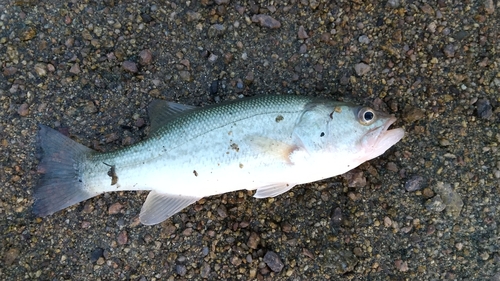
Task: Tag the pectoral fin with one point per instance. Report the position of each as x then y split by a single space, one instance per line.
273 190
276 148
159 206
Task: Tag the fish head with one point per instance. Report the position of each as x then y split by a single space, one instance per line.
333 138
363 131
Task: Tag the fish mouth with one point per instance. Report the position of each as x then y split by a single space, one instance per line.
383 138
390 136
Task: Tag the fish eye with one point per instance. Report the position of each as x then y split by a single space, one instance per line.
366 116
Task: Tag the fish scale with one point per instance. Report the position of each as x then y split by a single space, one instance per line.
267 143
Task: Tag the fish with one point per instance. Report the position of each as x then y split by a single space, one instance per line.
266 143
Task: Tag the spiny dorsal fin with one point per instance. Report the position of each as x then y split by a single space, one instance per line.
159 206
160 112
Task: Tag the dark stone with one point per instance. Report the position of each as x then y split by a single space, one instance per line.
273 261
96 254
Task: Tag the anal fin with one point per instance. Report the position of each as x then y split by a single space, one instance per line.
273 190
160 206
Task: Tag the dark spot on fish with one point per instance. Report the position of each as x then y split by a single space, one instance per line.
195 173
279 118
241 166
322 134
235 147
112 174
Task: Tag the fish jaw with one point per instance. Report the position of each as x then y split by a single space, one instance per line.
379 139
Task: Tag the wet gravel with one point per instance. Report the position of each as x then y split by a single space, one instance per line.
425 210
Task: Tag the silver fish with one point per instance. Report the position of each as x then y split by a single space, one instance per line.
267 143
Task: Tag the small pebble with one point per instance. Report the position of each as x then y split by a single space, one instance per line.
449 50
450 198
393 3
181 269
139 123
212 57
122 238
145 57
414 183
428 193
249 78
193 16
355 178
337 217
23 110
40 69
96 254
130 66
273 261
266 21
214 87
361 68
75 69
185 75
363 39
307 253
484 109
10 256
401 265
239 84
205 270
216 30
286 227
435 204
303 49
28 33
222 211
313 4
426 8
413 114
489 6
391 166
115 208
253 240
10 70
302 33
387 222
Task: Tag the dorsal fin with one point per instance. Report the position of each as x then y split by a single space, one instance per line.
160 112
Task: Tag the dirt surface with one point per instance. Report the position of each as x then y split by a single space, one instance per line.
428 209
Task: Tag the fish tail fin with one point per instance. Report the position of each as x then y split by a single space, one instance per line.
60 184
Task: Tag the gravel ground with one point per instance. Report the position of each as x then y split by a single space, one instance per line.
425 210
